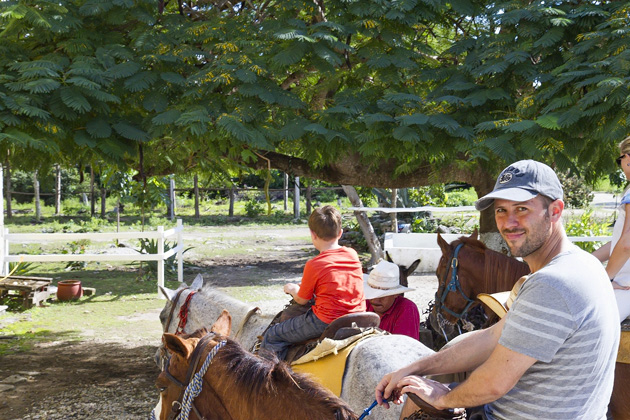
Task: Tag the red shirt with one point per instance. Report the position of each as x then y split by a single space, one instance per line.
402 318
335 278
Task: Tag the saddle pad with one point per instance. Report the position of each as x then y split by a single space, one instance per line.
328 364
623 356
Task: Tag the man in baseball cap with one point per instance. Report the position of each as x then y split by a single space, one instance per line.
552 355
522 181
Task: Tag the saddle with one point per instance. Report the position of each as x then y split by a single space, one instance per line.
340 329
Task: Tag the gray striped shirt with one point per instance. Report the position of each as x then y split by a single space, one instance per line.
565 316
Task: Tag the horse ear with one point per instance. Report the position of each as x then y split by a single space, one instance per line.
197 283
442 242
176 345
223 324
475 234
168 293
412 267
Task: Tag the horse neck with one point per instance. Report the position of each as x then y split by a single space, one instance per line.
501 272
296 400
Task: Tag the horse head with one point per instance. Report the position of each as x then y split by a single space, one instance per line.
466 269
405 271
214 376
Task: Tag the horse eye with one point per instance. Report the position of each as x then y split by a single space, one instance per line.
162 389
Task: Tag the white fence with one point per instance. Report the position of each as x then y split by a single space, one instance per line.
160 256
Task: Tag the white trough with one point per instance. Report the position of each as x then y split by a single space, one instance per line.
405 248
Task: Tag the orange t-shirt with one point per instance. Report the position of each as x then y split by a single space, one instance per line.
335 278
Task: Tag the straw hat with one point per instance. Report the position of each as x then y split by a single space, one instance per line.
383 280
501 302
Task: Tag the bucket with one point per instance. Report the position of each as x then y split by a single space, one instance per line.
69 289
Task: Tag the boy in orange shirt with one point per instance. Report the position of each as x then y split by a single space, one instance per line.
334 277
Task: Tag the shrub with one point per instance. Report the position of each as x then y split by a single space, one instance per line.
253 208
587 225
577 194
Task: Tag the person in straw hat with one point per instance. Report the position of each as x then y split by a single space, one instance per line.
552 356
383 293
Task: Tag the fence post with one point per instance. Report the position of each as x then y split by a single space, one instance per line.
296 198
286 191
180 253
57 189
171 196
5 242
160 261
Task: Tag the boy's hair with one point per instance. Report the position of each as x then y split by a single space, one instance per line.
325 222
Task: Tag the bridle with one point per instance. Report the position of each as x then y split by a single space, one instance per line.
192 385
453 285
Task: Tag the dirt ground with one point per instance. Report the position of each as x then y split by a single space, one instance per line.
113 377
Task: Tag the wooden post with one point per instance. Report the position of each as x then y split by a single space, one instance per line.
38 207
180 253
296 198
160 261
103 203
197 197
232 195
92 195
8 190
309 191
171 196
57 190
393 215
286 191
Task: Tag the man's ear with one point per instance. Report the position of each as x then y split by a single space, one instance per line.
556 208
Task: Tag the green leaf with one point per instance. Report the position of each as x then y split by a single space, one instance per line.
168 117
174 78
549 121
42 85
74 99
406 134
520 126
414 119
99 128
130 132
126 69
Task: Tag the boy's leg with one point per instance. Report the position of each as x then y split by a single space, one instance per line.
279 337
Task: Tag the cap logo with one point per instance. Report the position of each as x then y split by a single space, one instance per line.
505 177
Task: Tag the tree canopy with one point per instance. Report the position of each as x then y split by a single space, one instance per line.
388 93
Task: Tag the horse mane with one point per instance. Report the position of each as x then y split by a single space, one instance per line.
252 376
500 272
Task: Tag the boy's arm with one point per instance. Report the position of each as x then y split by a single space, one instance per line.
292 289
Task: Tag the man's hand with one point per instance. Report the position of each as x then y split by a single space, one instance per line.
387 388
428 390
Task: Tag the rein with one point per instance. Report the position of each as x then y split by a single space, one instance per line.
193 384
453 285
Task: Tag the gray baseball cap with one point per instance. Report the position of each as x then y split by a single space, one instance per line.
522 181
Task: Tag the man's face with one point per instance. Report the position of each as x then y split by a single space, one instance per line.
525 226
382 304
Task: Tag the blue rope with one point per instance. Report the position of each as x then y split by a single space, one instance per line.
194 387
366 412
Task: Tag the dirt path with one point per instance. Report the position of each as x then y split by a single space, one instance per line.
113 377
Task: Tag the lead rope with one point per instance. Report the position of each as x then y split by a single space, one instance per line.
194 387
367 411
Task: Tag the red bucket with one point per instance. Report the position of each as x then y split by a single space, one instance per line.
69 289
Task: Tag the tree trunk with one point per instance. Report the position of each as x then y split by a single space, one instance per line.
309 191
92 194
38 207
57 190
8 187
286 191
296 198
373 243
393 215
103 202
196 196
232 195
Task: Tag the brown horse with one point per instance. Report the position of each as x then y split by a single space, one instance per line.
466 269
237 385
481 270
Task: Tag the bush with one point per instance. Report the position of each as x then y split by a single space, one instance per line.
577 194
587 225
253 208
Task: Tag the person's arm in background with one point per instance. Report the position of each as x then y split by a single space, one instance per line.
603 252
621 252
